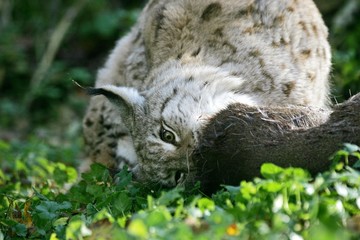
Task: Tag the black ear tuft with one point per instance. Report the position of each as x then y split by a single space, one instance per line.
94 91
78 84
100 91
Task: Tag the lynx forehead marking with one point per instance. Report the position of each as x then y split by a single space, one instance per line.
211 11
167 100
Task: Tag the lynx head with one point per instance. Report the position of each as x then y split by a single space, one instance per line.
165 120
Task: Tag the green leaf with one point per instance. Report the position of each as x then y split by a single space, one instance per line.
77 229
232 189
39 195
20 230
350 148
206 204
103 214
247 190
124 178
296 173
97 173
272 186
79 194
169 197
158 217
122 202
64 174
270 170
95 190
61 221
357 164
60 176
49 210
71 174
138 229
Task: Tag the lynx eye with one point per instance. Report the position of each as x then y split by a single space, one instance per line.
167 136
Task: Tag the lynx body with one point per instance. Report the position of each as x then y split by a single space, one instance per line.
186 60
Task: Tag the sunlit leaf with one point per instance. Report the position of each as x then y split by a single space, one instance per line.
270 171
206 204
272 186
138 228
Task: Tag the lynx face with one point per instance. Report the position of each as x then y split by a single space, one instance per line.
165 120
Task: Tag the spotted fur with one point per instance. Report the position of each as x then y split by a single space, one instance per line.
186 60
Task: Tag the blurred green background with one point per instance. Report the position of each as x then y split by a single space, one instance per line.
45 45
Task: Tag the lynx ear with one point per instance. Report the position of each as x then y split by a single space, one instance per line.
128 100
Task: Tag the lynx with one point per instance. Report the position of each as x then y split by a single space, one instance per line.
186 60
